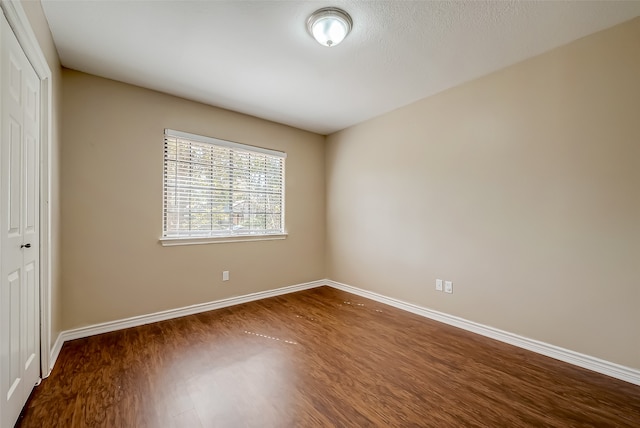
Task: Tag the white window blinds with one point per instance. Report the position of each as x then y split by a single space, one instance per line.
217 188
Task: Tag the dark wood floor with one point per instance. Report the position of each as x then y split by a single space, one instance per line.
318 358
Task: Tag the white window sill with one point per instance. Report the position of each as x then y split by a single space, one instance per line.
170 242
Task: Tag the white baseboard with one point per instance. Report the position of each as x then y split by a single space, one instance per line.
588 362
55 351
106 327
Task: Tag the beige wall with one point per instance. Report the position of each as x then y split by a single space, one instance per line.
35 14
113 264
522 187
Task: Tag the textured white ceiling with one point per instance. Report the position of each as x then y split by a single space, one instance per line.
256 57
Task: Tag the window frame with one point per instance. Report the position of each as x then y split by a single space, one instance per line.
218 238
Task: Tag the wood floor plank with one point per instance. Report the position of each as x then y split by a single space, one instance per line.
318 358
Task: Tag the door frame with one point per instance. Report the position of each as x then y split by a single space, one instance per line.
19 23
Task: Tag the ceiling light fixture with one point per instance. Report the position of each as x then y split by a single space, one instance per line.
329 25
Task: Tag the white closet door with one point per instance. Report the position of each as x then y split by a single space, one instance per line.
19 227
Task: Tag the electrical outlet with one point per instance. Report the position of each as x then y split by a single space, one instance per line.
448 287
225 275
438 285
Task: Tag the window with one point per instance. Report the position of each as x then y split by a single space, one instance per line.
216 189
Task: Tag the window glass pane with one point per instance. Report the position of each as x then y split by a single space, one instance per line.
217 188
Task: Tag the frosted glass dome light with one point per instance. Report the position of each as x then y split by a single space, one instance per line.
329 26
